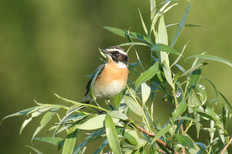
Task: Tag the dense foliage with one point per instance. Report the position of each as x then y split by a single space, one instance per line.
143 134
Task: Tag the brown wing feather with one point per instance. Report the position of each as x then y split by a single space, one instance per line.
90 80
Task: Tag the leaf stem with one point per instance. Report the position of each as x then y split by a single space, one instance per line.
224 149
152 135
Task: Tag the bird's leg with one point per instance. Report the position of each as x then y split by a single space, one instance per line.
108 101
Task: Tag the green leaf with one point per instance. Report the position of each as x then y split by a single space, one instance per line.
214 87
185 140
117 100
112 136
147 75
156 16
190 25
163 47
66 116
34 149
124 33
20 113
134 43
210 57
162 36
227 102
120 32
133 105
101 147
143 24
195 68
118 114
145 90
161 133
179 110
178 58
70 141
181 24
202 93
36 112
193 100
208 111
130 138
152 8
189 119
55 141
66 100
195 77
46 118
168 73
93 123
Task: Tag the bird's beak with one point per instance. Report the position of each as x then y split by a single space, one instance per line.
105 51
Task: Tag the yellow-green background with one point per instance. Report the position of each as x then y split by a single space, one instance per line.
49 46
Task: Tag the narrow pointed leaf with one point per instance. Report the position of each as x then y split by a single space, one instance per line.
161 133
93 123
147 75
46 118
227 102
181 24
34 149
130 138
143 24
208 111
145 90
24 124
70 141
178 58
162 36
117 100
202 93
118 114
193 69
179 110
66 100
211 57
124 33
188 118
185 140
20 113
152 8
55 141
163 47
101 147
112 136
133 105
168 74
134 43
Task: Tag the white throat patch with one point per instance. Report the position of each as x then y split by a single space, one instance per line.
121 65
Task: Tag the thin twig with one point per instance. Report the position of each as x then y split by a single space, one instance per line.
224 149
153 135
182 132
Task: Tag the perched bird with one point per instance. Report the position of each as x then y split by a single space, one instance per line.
112 77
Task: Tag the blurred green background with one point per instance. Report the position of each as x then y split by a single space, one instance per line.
50 46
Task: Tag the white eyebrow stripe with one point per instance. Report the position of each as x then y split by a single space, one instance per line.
121 51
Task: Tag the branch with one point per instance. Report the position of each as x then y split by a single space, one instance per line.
224 149
182 132
152 135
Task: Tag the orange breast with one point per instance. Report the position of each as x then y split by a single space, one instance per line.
112 81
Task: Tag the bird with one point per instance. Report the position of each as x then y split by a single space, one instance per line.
112 77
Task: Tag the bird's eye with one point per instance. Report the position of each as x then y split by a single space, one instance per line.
116 53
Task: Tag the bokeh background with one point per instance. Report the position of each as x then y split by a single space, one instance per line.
50 46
